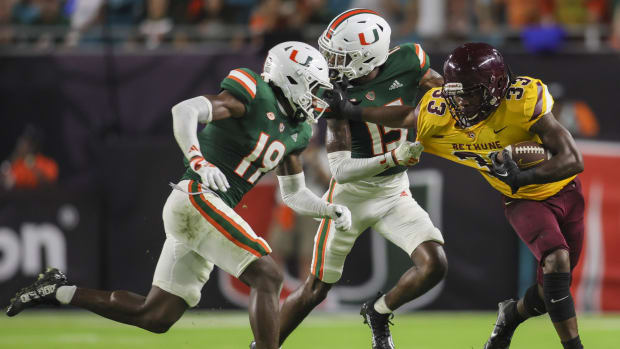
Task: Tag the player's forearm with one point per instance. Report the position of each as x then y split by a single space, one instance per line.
401 116
344 169
299 198
185 118
557 168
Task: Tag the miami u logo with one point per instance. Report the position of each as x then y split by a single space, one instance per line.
293 58
363 38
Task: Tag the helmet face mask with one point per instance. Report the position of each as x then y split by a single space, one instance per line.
467 105
299 71
354 43
476 81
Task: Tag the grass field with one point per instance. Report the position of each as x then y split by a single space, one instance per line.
434 330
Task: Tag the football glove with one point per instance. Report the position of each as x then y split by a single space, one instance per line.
407 153
211 176
340 104
341 216
508 171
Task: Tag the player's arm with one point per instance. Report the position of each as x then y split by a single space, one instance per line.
401 116
345 169
566 161
204 109
302 200
430 80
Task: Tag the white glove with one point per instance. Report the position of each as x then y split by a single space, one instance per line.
211 176
341 216
407 153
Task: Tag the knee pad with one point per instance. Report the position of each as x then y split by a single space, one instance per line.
534 305
558 300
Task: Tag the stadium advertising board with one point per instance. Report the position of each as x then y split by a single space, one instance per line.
51 227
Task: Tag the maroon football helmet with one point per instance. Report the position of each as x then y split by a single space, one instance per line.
476 81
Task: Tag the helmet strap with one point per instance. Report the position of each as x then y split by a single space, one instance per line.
294 112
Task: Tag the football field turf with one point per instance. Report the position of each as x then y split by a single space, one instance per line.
196 329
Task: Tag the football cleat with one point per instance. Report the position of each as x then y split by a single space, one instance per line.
42 291
379 325
504 328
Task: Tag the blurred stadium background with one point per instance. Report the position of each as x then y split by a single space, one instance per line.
86 152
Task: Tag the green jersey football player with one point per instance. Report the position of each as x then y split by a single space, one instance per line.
368 164
255 124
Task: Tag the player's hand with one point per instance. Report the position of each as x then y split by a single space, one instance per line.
340 104
407 153
341 216
507 170
212 177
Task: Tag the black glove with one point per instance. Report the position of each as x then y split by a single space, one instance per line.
508 171
339 103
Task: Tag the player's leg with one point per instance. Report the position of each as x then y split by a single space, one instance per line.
156 312
558 265
430 266
230 243
331 248
300 303
553 231
265 281
409 227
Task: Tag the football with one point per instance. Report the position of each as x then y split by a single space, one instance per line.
527 154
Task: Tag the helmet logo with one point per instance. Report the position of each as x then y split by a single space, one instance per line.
294 55
370 95
363 38
271 116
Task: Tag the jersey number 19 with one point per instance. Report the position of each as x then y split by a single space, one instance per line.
271 158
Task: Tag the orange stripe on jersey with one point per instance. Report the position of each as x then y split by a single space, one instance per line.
247 88
344 16
421 55
246 74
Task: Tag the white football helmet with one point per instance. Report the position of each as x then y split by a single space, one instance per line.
355 42
299 70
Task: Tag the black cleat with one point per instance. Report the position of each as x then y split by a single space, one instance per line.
42 291
379 324
504 327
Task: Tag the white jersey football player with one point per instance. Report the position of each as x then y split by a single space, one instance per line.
368 165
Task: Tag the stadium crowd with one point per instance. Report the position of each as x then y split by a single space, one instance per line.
540 25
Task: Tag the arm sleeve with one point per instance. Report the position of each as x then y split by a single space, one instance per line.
185 118
345 169
303 201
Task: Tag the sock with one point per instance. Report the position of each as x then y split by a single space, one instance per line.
533 304
558 300
513 314
381 307
64 294
574 343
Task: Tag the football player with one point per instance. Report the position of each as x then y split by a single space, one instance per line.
368 163
480 109
255 124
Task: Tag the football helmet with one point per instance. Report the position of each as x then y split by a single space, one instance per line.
476 80
299 70
355 42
